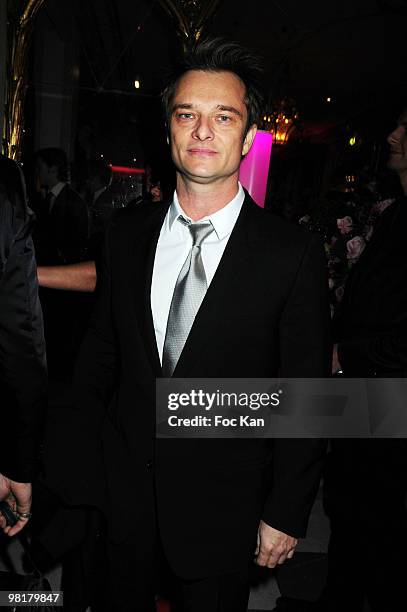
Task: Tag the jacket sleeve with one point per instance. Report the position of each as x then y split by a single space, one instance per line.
23 376
96 367
7 234
305 346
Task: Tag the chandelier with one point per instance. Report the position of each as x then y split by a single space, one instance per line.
20 23
191 18
281 121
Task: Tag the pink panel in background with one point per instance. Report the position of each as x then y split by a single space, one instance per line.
254 168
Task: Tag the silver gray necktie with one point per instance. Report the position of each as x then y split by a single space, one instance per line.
189 292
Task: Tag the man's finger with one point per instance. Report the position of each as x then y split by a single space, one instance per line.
262 557
21 512
267 558
273 560
256 552
284 556
21 523
13 530
282 559
23 496
23 509
278 557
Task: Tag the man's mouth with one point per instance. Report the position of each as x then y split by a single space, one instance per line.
202 152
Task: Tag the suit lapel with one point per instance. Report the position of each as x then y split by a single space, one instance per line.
143 262
224 288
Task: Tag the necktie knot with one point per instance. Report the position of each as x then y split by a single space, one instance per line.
199 231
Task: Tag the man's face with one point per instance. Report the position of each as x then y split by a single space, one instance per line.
207 126
47 176
398 146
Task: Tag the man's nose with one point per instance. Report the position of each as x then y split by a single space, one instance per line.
203 130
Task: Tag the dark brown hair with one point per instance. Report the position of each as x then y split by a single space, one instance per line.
55 157
220 55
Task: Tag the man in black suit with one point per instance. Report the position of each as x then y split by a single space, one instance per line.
23 376
62 225
367 479
60 237
199 505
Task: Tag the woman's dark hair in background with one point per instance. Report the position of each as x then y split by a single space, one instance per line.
220 55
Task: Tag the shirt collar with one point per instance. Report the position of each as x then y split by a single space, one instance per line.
98 193
56 189
223 220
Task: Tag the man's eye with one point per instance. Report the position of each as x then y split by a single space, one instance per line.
224 118
184 115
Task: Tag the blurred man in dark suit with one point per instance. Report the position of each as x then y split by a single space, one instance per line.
367 479
23 377
60 237
62 225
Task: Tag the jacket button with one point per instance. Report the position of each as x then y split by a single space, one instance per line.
149 464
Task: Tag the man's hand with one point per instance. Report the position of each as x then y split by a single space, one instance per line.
18 496
273 546
336 366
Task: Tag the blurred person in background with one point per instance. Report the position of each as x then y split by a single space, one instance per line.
60 237
82 276
101 195
366 480
62 220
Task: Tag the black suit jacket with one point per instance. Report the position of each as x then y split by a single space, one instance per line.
372 327
60 236
23 377
265 314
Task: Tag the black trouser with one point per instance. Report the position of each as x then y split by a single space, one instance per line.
225 593
366 487
135 577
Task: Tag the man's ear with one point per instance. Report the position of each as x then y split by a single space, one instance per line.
248 140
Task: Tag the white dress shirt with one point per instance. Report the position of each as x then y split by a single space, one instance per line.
173 247
55 191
